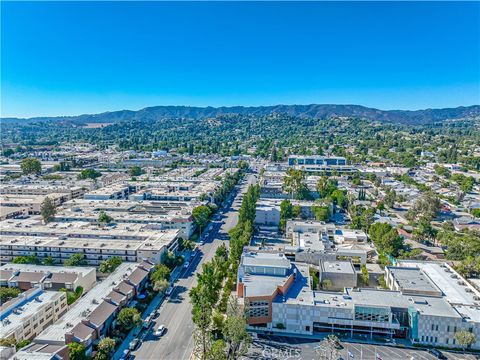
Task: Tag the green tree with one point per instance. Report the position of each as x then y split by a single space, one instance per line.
286 212
386 238
135 171
160 272
76 351
425 208
365 276
321 213
326 187
103 217
390 197
7 293
49 261
161 285
8 152
128 318
31 166
105 348
293 182
47 210
218 351
22 343
202 317
89 174
339 198
75 260
465 338
109 265
296 211
234 331
201 215
27 259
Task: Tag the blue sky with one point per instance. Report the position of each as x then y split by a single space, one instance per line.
72 58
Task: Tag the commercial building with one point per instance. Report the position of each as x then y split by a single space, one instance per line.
315 241
280 299
317 163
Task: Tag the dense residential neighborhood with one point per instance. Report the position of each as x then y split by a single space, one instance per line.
248 248
239 180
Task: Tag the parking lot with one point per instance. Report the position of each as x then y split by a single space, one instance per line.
282 348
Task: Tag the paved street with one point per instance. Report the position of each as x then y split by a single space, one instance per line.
177 342
282 348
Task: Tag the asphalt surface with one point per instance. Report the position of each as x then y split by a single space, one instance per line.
282 348
175 313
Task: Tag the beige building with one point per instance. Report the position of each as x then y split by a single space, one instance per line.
27 315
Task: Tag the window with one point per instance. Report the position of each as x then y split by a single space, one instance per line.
448 329
307 328
446 341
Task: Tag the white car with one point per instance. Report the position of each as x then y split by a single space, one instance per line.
186 265
160 330
169 291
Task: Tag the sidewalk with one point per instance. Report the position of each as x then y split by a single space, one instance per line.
154 305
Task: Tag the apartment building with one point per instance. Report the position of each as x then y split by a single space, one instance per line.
26 276
71 191
91 317
110 192
27 315
32 203
280 299
162 215
131 242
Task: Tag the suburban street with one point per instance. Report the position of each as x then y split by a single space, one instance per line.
175 313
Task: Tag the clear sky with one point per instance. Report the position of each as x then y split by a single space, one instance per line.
72 58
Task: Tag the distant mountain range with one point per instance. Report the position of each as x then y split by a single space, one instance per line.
312 111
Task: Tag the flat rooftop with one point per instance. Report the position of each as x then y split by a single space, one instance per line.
337 267
277 260
453 286
47 269
15 312
384 298
413 280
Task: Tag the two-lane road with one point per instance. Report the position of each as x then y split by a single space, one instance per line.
175 313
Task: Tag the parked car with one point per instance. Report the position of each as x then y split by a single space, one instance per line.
169 291
125 355
186 265
437 353
133 344
159 332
